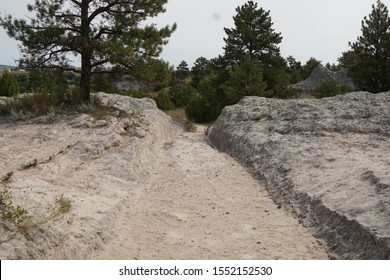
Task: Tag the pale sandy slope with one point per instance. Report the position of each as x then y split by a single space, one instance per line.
201 204
139 190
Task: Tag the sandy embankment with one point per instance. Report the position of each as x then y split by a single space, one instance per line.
140 189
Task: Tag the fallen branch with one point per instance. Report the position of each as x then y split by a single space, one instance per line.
35 162
57 153
32 163
6 177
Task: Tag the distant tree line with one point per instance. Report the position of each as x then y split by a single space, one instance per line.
251 63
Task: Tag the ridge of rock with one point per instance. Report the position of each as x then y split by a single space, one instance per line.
322 73
325 161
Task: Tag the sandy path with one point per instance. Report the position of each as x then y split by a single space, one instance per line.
201 204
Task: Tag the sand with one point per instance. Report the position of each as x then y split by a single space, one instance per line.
140 188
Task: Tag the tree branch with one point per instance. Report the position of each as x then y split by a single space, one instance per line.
76 2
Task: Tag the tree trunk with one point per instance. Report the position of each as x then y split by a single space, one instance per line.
85 83
86 53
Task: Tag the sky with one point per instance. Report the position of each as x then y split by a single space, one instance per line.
310 28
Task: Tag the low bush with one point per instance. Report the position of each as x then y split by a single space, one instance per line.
8 85
199 110
163 101
10 212
182 95
18 220
328 88
31 105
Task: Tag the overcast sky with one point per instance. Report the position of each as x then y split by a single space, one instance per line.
310 28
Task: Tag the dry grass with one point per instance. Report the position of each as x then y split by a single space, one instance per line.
30 106
179 116
18 218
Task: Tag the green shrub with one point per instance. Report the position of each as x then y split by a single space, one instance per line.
328 88
200 111
164 102
31 105
8 85
288 93
22 80
182 95
48 81
8 211
18 217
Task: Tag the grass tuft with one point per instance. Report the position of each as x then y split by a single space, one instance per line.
17 217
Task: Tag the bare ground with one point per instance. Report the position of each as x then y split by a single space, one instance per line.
201 204
140 189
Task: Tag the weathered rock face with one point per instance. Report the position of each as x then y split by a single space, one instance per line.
326 161
322 73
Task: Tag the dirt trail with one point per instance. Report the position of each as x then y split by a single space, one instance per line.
201 204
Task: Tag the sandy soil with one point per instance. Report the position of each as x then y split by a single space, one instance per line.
201 204
140 189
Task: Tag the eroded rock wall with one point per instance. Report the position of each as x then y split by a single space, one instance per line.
326 161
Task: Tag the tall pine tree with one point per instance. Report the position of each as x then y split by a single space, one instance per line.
253 34
370 65
102 33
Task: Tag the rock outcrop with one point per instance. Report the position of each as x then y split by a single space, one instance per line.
326 161
322 73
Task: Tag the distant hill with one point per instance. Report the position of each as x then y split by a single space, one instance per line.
7 67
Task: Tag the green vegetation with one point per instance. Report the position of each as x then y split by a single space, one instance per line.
100 33
8 85
14 214
245 79
182 94
368 61
31 106
329 88
164 101
250 65
20 221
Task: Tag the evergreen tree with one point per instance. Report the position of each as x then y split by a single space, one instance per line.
253 34
200 70
309 67
182 71
246 79
182 94
370 67
8 85
156 72
294 69
101 32
48 81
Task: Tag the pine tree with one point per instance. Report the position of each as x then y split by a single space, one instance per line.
182 71
309 67
200 70
103 33
253 34
370 67
246 79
